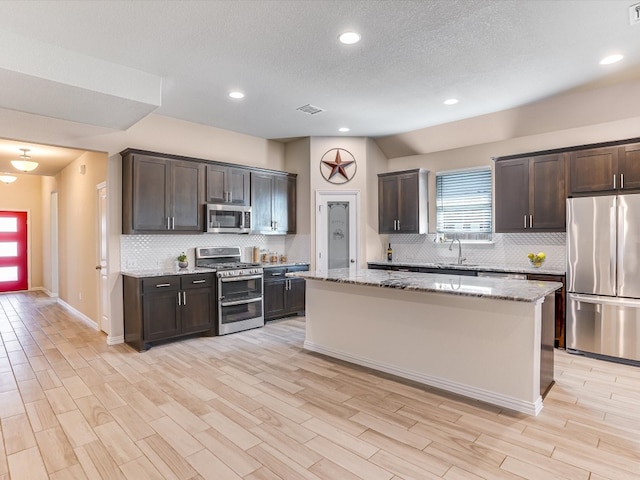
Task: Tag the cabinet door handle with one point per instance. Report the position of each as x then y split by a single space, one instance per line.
525 221
398 224
184 298
160 285
622 181
198 281
230 196
168 223
179 299
530 221
173 223
614 181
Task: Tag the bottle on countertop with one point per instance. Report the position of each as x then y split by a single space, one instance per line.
389 253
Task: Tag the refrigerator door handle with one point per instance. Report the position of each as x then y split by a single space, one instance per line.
602 300
613 246
622 210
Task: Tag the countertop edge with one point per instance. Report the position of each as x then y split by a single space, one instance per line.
412 281
472 267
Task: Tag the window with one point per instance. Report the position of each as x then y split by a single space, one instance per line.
463 204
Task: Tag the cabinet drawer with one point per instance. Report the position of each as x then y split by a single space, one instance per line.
157 284
197 281
276 273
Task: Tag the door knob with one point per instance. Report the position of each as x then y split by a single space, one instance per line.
98 267
352 261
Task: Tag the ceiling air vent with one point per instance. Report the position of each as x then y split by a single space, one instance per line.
310 109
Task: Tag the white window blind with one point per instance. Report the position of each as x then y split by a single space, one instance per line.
463 203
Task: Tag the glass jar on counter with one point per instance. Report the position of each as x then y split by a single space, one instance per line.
264 257
283 258
273 257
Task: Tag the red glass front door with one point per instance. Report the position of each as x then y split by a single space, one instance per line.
13 251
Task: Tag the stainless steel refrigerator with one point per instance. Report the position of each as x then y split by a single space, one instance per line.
603 275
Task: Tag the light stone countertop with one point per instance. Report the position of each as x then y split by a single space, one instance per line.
165 272
524 268
496 288
191 270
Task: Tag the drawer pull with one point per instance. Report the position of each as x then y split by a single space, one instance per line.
160 285
198 281
276 274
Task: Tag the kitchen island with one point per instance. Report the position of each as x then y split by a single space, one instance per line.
485 338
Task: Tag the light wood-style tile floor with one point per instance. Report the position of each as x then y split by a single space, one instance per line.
256 406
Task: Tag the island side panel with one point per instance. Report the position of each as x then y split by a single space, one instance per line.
482 348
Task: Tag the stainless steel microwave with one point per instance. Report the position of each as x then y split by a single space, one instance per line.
228 218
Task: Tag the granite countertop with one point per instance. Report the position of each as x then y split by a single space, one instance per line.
525 268
190 270
165 272
485 287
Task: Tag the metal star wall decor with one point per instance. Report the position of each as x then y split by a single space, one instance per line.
338 166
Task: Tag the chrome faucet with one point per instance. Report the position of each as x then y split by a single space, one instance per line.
460 259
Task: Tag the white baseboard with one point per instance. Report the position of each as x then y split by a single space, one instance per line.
530 408
49 293
78 313
115 340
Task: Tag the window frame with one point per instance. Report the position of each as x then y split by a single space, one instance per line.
482 237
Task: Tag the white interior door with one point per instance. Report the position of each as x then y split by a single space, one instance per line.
337 230
101 264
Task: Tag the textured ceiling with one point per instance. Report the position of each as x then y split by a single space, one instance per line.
491 54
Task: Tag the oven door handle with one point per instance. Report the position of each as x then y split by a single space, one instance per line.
240 302
239 279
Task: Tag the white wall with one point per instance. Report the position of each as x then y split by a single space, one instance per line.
297 160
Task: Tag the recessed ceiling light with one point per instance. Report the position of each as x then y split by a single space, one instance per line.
236 94
349 38
611 59
451 101
344 129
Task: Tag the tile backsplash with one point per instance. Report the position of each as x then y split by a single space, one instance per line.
150 252
509 249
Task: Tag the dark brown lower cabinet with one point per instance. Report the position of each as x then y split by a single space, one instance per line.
283 296
560 305
162 308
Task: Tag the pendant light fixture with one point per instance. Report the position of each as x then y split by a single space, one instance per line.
25 164
6 178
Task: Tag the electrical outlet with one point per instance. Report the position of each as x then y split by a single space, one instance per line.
130 263
634 14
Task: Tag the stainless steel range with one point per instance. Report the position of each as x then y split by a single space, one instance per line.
239 288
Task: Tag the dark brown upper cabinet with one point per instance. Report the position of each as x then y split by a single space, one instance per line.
629 167
161 195
228 185
530 194
273 203
593 170
402 202
605 170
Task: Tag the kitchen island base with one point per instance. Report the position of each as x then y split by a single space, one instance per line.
493 350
